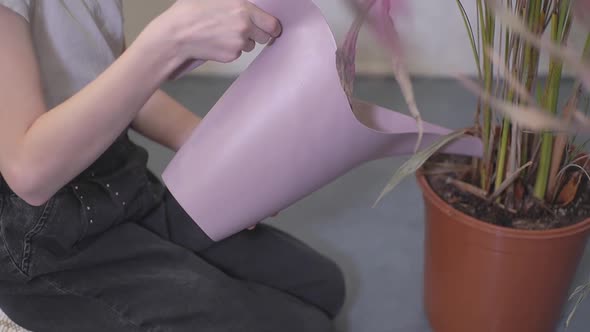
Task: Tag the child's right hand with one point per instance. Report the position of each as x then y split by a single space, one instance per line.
218 30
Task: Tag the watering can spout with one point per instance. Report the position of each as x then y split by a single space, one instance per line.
284 129
400 133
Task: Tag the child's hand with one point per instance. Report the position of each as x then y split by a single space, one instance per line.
218 30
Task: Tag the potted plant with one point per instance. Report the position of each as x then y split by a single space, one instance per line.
505 233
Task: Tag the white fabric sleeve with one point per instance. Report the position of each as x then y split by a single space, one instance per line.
21 7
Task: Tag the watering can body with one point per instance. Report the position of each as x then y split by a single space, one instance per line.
284 129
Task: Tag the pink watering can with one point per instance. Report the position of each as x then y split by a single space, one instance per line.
284 129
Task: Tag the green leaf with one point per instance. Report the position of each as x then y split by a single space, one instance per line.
471 35
415 162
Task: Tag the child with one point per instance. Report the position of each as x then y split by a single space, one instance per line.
91 240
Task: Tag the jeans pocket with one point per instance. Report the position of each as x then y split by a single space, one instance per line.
69 223
20 225
58 242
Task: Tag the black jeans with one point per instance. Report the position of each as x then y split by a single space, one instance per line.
113 251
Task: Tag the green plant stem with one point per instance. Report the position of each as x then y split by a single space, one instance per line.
585 57
502 153
488 33
564 21
505 131
531 63
551 96
503 149
481 40
471 36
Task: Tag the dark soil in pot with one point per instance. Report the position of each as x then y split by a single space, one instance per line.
535 216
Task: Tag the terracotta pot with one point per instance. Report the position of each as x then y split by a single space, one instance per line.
481 277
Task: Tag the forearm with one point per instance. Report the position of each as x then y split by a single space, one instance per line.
88 122
42 150
165 121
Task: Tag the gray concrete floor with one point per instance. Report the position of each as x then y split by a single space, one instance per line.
380 249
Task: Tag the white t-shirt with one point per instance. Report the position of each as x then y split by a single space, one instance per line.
75 41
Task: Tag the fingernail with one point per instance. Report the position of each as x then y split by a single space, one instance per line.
279 30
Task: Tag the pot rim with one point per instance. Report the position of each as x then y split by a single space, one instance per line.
480 225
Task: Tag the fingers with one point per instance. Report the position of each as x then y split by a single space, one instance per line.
260 28
256 35
266 22
259 36
249 46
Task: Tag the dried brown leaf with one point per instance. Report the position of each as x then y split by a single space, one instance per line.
468 188
570 189
383 26
509 180
528 117
511 79
517 25
560 144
